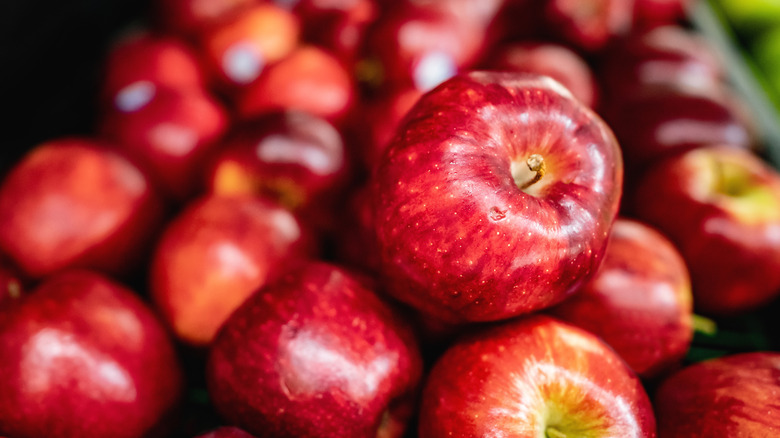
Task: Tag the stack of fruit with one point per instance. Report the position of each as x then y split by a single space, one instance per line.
363 218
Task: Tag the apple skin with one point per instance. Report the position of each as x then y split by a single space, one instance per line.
533 377
239 48
651 13
315 354
215 254
77 202
193 18
589 25
171 135
226 432
731 396
730 238
458 238
550 59
309 79
295 158
162 61
639 302
84 357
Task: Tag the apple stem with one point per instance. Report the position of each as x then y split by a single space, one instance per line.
536 164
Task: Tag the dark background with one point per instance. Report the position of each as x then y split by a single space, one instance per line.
51 54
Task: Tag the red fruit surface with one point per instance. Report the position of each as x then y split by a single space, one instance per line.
535 377
84 357
76 202
459 238
639 302
732 396
316 354
226 432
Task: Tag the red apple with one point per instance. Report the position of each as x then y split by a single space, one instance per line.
721 208
226 432
76 202
660 12
213 255
84 357
170 135
309 80
495 198
240 48
193 18
316 354
535 377
554 60
639 301
153 61
588 24
295 158
732 396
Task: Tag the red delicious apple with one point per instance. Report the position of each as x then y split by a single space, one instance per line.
316 354
213 255
143 60
420 47
639 301
309 80
721 208
495 198
732 396
535 377
554 60
588 24
170 136
295 158
76 202
240 48
193 18
84 357
226 432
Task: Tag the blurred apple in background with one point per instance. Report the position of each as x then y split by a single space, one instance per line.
193 18
215 254
168 133
77 202
495 198
588 24
83 356
534 377
650 13
731 396
721 208
639 302
309 79
315 354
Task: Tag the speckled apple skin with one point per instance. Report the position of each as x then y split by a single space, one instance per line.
458 239
226 432
506 380
76 203
729 397
84 357
315 354
734 263
215 254
639 301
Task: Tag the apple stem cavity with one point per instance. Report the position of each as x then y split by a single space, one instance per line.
535 163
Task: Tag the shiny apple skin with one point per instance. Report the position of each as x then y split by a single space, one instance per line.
226 432
170 135
295 158
84 357
316 354
215 254
554 60
458 239
515 378
733 259
639 302
309 79
728 397
76 202
162 61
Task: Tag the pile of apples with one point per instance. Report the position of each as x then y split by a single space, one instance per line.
373 218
